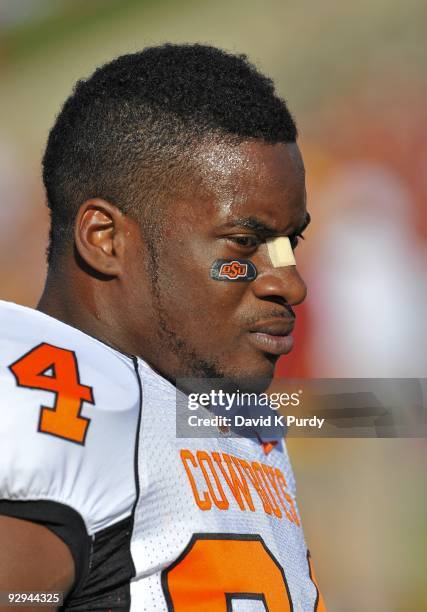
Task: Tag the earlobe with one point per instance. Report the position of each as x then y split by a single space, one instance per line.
97 236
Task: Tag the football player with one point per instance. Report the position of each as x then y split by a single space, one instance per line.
177 194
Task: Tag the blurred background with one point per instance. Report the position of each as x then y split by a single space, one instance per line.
354 75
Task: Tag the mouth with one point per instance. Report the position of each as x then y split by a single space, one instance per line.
273 337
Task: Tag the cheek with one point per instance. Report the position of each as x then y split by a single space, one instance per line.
192 297
139 283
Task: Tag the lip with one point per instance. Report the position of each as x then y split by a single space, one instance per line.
273 337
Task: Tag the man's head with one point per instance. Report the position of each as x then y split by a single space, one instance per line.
159 164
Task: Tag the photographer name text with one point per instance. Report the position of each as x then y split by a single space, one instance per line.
273 420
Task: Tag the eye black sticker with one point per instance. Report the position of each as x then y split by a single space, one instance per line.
233 270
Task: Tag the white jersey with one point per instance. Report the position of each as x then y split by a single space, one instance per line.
154 522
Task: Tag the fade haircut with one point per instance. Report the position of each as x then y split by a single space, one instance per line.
124 133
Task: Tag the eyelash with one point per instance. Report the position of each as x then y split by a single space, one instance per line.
235 240
294 239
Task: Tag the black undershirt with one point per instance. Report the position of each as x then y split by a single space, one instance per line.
102 562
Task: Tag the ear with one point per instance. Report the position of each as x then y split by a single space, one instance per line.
99 234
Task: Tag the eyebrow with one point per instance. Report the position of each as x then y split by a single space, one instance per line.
254 223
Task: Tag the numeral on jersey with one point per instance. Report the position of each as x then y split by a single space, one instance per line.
55 369
217 569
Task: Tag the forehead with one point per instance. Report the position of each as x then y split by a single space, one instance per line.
250 179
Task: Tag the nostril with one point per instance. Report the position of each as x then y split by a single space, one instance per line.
282 286
277 299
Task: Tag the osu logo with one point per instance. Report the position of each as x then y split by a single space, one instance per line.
233 270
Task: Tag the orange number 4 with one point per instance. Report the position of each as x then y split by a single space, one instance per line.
55 369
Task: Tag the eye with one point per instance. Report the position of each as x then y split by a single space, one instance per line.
247 241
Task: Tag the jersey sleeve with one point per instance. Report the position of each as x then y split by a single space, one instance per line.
69 417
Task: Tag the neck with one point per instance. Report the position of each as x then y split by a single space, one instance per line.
82 304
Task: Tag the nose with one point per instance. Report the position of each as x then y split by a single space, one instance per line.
283 283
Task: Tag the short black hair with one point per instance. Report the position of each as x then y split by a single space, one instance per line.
122 132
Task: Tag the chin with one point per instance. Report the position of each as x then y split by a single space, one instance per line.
254 380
